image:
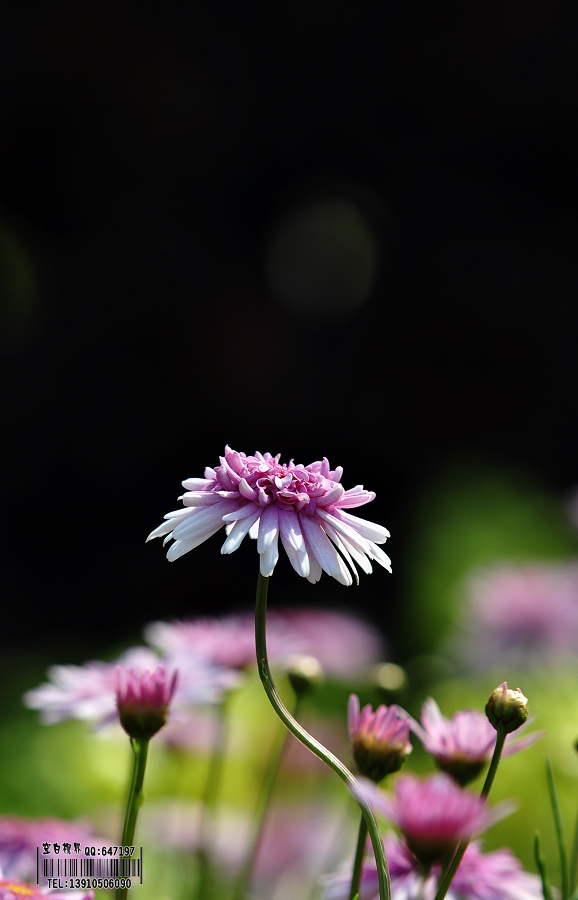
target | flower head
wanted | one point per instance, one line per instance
(228, 641)
(497, 875)
(462, 745)
(518, 614)
(143, 699)
(14, 889)
(89, 692)
(433, 814)
(380, 739)
(20, 839)
(305, 506)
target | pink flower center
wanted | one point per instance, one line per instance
(268, 481)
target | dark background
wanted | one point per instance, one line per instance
(414, 167)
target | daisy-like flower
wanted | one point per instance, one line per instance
(497, 875)
(227, 641)
(20, 839)
(519, 614)
(11, 889)
(463, 745)
(433, 814)
(89, 692)
(305, 506)
(143, 699)
(380, 739)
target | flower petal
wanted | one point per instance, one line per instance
(238, 532)
(324, 551)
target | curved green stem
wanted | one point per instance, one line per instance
(302, 735)
(447, 879)
(135, 798)
(358, 863)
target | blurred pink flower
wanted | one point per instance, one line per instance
(228, 641)
(305, 506)
(343, 643)
(433, 814)
(520, 613)
(497, 875)
(380, 738)
(89, 692)
(20, 840)
(11, 889)
(463, 745)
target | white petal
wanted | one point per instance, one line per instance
(241, 513)
(325, 552)
(368, 530)
(298, 558)
(200, 498)
(196, 484)
(238, 532)
(379, 556)
(340, 544)
(268, 528)
(179, 548)
(353, 537)
(315, 570)
(290, 528)
(162, 529)
(202, 518)
(268, 559)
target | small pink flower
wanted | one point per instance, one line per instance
(462, 745)
(305, 506)
(433, 814)
(12, 889)
(227, 641)
(497, 875)
(143, 699)
(20, 839)
(380, 739)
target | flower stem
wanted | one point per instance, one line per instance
(447, 879)
(358, 862)
(302, 735)
(135, 798)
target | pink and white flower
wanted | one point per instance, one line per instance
(20, 840)
(497, 875)
(433, 814)
(518, 614)
(305, 506)
(89, 692)
(463, 745)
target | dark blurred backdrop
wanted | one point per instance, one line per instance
(315, 229)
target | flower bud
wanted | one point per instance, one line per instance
(304, 673)
(507, 709)
(143, 700)
(380, 739)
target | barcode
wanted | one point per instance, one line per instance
(92, 868)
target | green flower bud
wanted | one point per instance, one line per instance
(507, 709)
(304, 673)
